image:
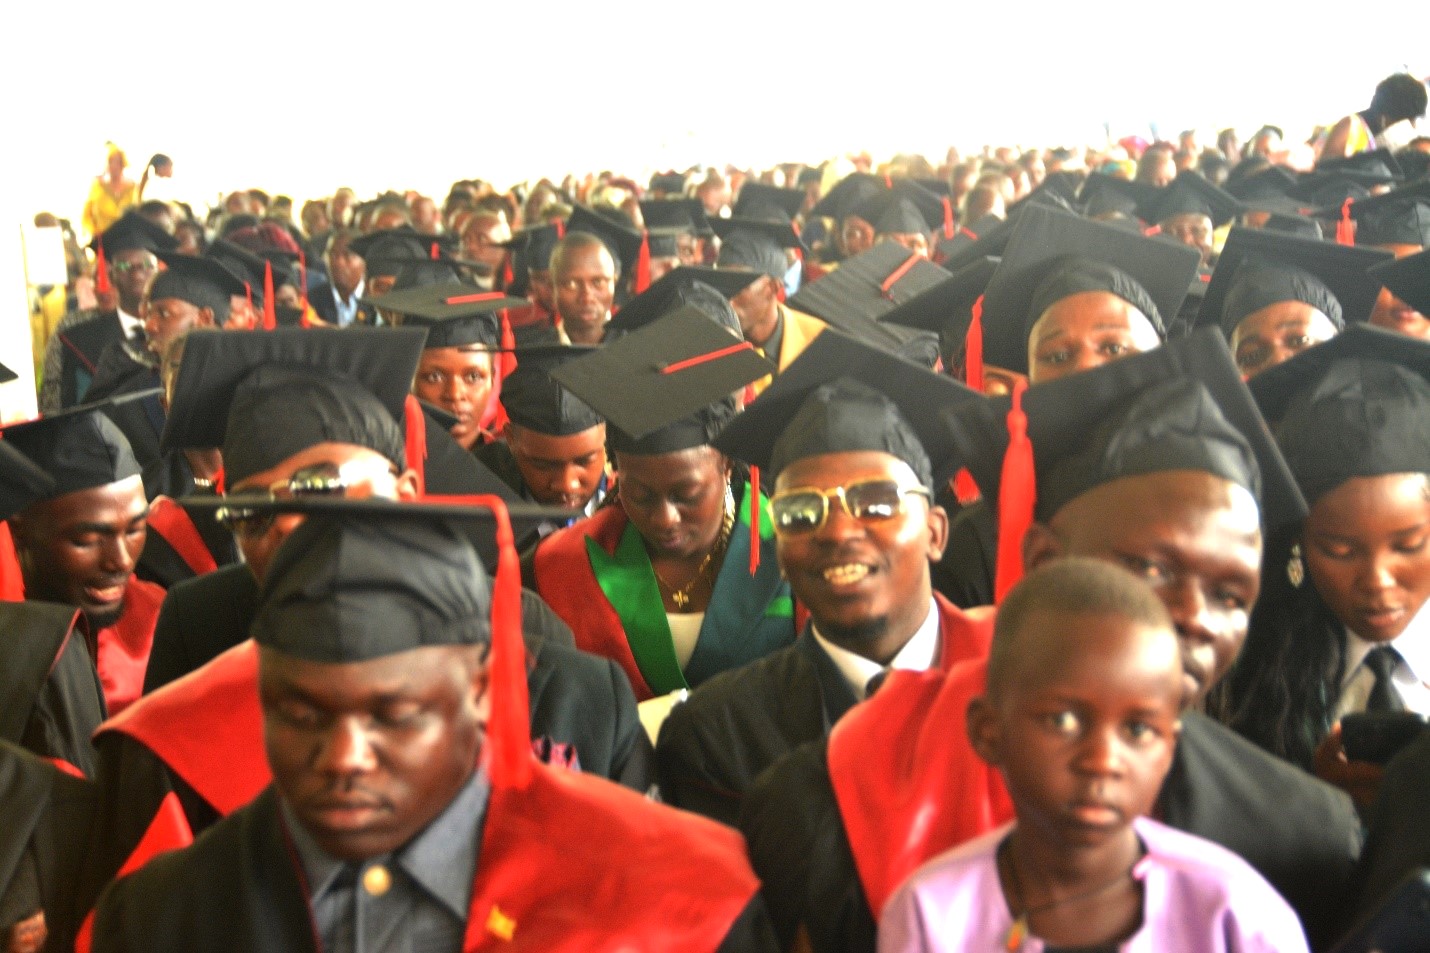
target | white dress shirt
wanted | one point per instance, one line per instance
(1409, 675)
(918, 654)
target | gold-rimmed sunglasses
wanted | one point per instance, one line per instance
(803, 509)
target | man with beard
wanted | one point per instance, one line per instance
(78, 543)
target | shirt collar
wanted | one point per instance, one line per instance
(127, 321)
(1412, 645)
(442, 859)
(919, 653)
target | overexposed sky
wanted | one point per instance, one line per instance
(300, 97)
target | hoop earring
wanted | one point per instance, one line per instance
(1295, 568)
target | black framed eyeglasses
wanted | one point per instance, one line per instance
(320, 479)
(804, 509)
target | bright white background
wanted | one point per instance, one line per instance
(299, 97)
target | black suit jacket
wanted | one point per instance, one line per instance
(1399, 837)
(1299, 833)
(742, 721)
(81, 347)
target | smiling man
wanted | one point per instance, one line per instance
(855, 529)
(78, 544)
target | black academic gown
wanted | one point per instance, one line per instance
(1299, 833)
(50, 696)
(237, 889)
(45, 819)
(497, 457)
(737, 724)
(141, 421)
(81, 347)
(1398, 840)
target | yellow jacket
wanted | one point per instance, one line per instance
(799, 330)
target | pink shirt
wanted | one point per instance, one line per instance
(1198, 897)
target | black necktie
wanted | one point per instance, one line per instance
(875, 680)
(1381, 661)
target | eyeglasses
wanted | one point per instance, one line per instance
(804, 509)
(125, 267)
(320, 479)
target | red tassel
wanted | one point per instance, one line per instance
(507, 275)
(416, 444)
(248, 293)
(1152, 231)
(965, 487)
(12, 581)
(493, 419)
(973, 349)
(1017, 492)
(888, 180)
(1346, 226)
(303, 285)
(757, 510)
(699, 359)
(560, 229)
(508, 745)
(101, 272)
(436, 252)
(643, 263)
(947, 216)
(270, 316)
(218, 482)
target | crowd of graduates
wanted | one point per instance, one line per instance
(1027, 552)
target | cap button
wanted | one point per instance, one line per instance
(376, 880)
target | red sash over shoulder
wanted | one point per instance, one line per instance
(173, 523)
(641, 877)
(907, 781)
(564, 578)
(207, 727)
(123, 648)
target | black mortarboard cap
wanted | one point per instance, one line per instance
(1299, 225)
(7, 375)
(1053, 254)
(985, 238)
(863, 289)
(946, 308)
(664, 242)
(1375, 167)
(133, 231)
(709, 290)
(843, 395)
(847, 194)
(361, 586)
(1401, 217)
(1268, 190)
(534, 400)
(1357, 405)
(904, 209)
(21, 482)
(685, 215)
(454, 314)
(1190, 193)
(243, 264)
(1259, 268)
(535, 245)
(425, 273)
(754, 246)
(1182, 406)
(666, 386)
(264, 397)
(668, 182)
(1408, 279)
(79, 447)
(386, 251)
(757, 200)
(197, 281)
(1327, 191)
(622, 241)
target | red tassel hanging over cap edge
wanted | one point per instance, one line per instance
(1017, 492)
(973, 349)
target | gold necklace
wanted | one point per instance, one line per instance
(681, 597)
